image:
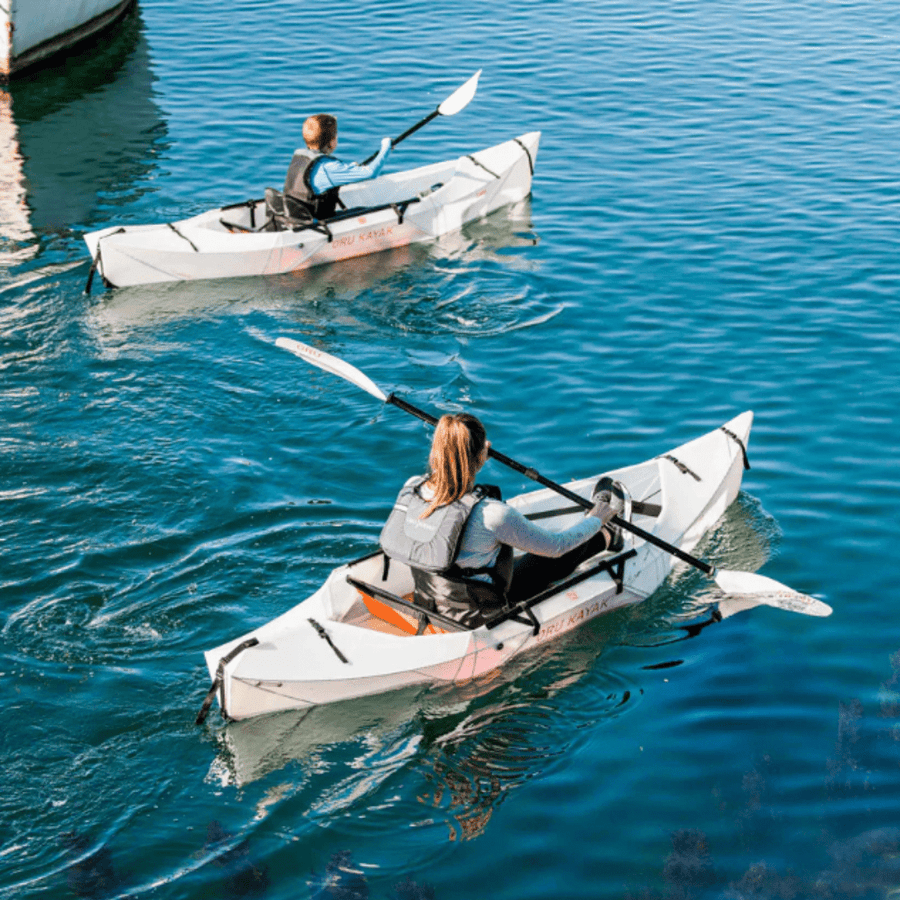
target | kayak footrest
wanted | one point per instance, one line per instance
(425, 616)
(615, 567)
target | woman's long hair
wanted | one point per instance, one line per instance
(459, 441)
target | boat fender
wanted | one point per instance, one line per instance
(740, 444)
(219, 680)
(681, 467)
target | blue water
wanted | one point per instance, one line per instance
(713, 228)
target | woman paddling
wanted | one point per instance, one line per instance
(458, 537)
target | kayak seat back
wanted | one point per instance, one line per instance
(405, 621)
(467, 600)
(285, 212)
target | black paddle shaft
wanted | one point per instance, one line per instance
(583, 502)
(420, 124)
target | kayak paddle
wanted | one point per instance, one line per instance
(765, 590)
(456, 102)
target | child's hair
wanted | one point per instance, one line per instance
(319, 131)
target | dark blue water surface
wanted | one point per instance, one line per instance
(714, 226)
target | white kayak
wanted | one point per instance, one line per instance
(360, 634)
(389, 211)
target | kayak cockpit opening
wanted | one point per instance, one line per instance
(383, 598)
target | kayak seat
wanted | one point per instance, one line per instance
(288, 215)
(466, 600)
(284, 212)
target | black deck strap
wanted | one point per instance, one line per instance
(400, 210)
(527, 153)
(615, 567)
(617, 573)
(326, 637)
(483, 166)
(96, 260)
(740, 444)
(402, 605)
(526, 617)
(183, 237)
(219, 680)
(356, 211)
(638, 508)
(642, 508)
(250, 203)
(681, 466)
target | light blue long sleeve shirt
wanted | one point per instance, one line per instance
(331, 172)
(493, 523)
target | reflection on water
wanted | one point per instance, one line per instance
(343, 879)
(16, 236)
(95, 110)
(443, 759)
(242, 875)
(855, 863)
(401, 287)
(744, 539)
(91, 873)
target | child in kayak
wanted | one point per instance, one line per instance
(315, 176)
(458, 537)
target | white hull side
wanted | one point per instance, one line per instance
(33, 30)
(293, 668)
(200, 248)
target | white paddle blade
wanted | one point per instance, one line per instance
(460, 98)
(762, 590)
(331, 364)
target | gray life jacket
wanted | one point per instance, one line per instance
(431, 545)
(300, 199)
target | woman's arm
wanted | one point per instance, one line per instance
(510, 527)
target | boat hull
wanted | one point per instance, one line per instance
(394, 210)
(32, 31)
(292, 666)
